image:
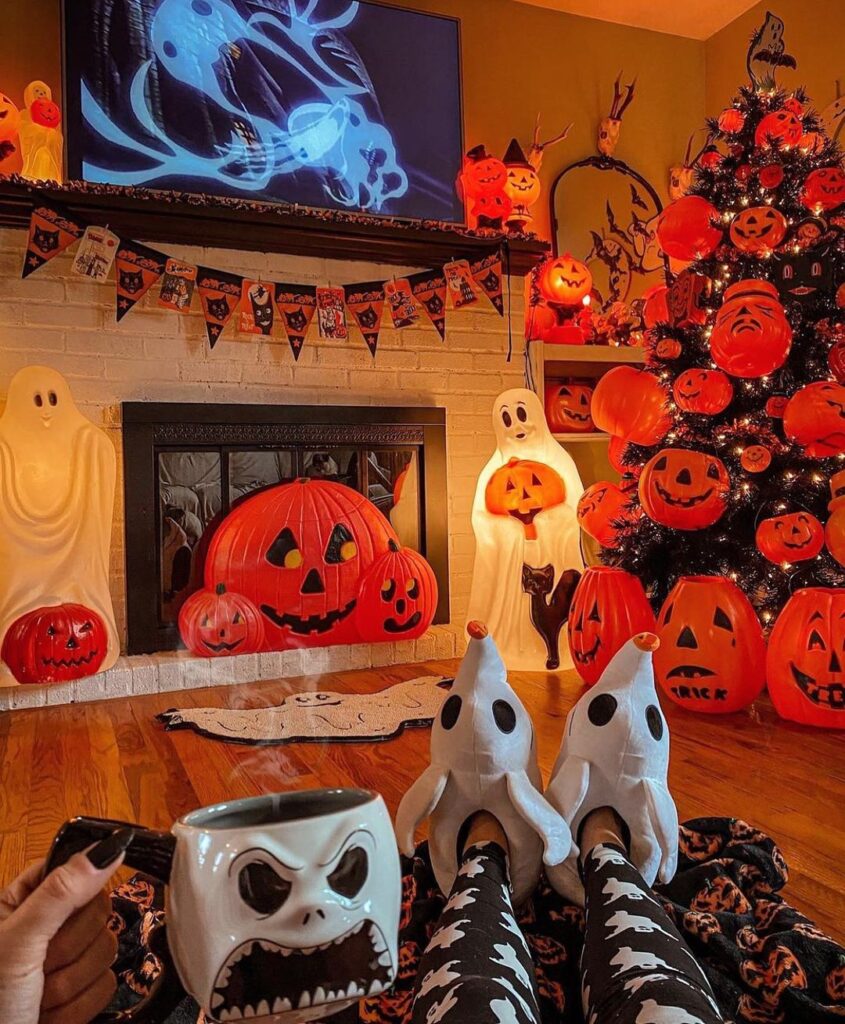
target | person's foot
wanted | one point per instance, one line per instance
(484, 828)
(602, 826)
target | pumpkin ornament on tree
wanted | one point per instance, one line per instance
(751, 336)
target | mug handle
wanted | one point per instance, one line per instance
(150, 852)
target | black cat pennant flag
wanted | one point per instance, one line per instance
(366, 304)
(136, 270)
(220, 294)
(296, 304)
(51, 231)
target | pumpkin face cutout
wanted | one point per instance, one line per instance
(10, 119)
(824, 189)
(712, 656)
(687, 490)
(751, 336)
(780, 127)
(707, 392)
(815, 419)
(565, 280)
(755, 458)
(568, 408)
(522, 489)
(398, 596)
(688, 228)
(794, 537)
(216, 624)
(758, 229)
(631, 404)
(599, 507)
(298, 552)
(805, 662)
(55, 645)
(609, 606)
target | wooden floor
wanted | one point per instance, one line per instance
(113, 759)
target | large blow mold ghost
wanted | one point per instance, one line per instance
(483, 757)
(506, 543)
(615, 753)
(57, 481)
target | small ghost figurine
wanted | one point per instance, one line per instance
(615, 753)
(41, 140)
(483, 757)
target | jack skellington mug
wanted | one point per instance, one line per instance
(280, 908)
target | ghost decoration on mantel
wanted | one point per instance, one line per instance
(483, 758)
(542, 537)
(615, 753)
(57, 481)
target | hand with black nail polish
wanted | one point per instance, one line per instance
(56, 949)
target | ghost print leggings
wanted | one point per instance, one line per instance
(635, 967)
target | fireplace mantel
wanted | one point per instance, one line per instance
(189, 219)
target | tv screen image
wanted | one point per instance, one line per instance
(327, 103)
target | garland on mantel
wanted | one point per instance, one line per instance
(261, 304)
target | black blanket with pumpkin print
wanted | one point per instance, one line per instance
(766, 962)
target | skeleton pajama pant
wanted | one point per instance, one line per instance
(635, 967)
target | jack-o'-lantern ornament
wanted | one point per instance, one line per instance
(398, 596)
(568, 408)
(731, 121)
(755, 458)
(707, 392)
(55, 645)
(780, 127)
(836, 361)
(712, 656)
(565, 280)
(771, 175)
(668, 349)
(688, 228)
(655, 305)
(632, 404)
(793, 537)
(216, 624)
(824, 189)
(522, 185)
(608, 607)
(600, 507)
(834, 528)
(815, 419)
(686, 299)
(806, 660)
(298, 552)
(10, 119)
(758, 229)
(776, 406)
(751, 336)
(684, 489)
(522, 489)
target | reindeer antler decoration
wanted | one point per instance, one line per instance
(609, 126)
(535, 153)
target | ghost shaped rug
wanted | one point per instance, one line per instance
(321, 716)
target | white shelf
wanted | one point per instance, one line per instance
(569, 438)
(592, 354)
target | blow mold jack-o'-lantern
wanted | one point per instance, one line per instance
(522, 489)
(299, 552)
(215, 624)
(609, 606)
(731, 121)
(656, 305)
(758, 229)
(55, 645)
(565, 280)
(794, 537)
(712, 656)
(689, 229)
(815, 419)
(684, 489)
(522, 185)
(398, 596)
(599, 508)
(707, 392)
(568, 408)
(824, 189)
(751, 336)
(780, 127)
(10, 119)
(632, 404)
(806, 661)
(755, 458)
(481, 181)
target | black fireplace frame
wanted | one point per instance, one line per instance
(152, 427)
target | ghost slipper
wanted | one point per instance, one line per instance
(615, 753)
(483, 758)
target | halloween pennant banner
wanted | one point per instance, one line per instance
(137, 268)
(51, 231)
(487, 274)
(220, 294)
(429, 289)
(366, 304)
(257, 314)
(297, 304)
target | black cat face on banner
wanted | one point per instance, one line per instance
(368, 318)
(45, 241)
(218, 308)
(296, 321)
(490, 283)
(130, 281)
(434, 305)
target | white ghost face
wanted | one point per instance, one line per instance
(40, 397)
(518, 420)
(37, 90)
(285, 907)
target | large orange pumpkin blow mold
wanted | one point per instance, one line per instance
(398, 596)
(298, 552)
(599, 507)
(522, 489)
(758, 229)
(685, 489)
(568, 408)
(806, 658)
(707, 392)
(815, 418)
(656, 305)
(712, 656)
(609, 606)
(688, 228)
(632, 404)
(793, 537)
(824, 189)
(215, 624)
(781, 127)
(834, 528)
(751, 336)
(55, 644)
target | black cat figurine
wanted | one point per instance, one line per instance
(548, 616)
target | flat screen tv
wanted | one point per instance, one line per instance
(327, 103)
